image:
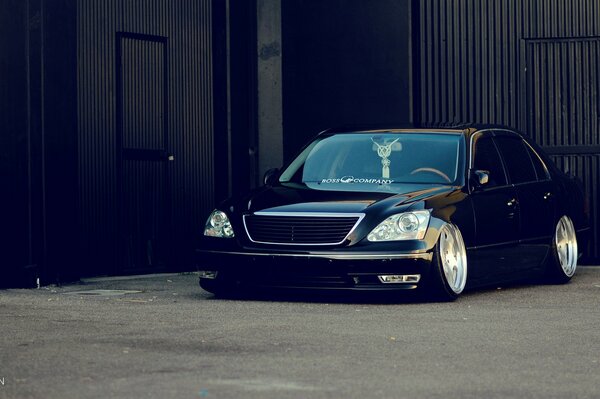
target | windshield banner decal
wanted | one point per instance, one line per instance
(352, 179)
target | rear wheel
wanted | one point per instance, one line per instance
(449, 268)
(562, 261)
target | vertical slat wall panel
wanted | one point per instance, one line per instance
(187, 26)
(98, 20)
(563, 86)
(587, 167)
(490, 34)
(563, 107)
(529, 64)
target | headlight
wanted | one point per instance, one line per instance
(218, 225)
(403, 226)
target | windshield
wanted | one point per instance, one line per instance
(377, 161)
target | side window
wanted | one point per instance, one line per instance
(516, 158)
(538, 165)
(487, 158)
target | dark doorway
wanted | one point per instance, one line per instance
(143, 155)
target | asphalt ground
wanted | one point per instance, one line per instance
(173, 340)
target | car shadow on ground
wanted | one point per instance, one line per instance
(364, 297)
(320, 296)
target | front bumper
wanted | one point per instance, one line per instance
(354, 270)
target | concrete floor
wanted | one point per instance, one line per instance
(170, 339)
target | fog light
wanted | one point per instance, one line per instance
(400, 278)
(209, 274)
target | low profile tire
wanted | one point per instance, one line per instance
(448, 275)
(562, 261)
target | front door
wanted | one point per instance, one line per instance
(497, 213)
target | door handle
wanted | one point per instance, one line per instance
(167, 156)
(512, 202)
(548, 195)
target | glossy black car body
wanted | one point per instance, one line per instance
(507, 202)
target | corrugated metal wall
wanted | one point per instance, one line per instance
(562, 83)
(16, 233)
(186, 27)
(38, 140)
(529, 64)
(561, 88)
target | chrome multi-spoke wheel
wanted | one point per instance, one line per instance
(564, 259)
(453, 256)
(449, 270)
(565, 240)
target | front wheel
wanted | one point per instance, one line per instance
(448, 275)
(562, 261)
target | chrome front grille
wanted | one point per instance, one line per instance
(300, 228)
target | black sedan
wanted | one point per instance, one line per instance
(437, 210)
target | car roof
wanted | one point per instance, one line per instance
(465, 129)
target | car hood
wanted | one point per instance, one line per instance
(298, 198)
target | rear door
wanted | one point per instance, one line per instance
(535, 194)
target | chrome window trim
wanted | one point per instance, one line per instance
(492, 130)
(522, 139)
(472, 146)
(472, 155)
(304, 214)
(548, 177)
(511, 133)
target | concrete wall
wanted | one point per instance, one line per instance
(269, 77)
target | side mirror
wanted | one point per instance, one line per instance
(481, 177)
(270, 177)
